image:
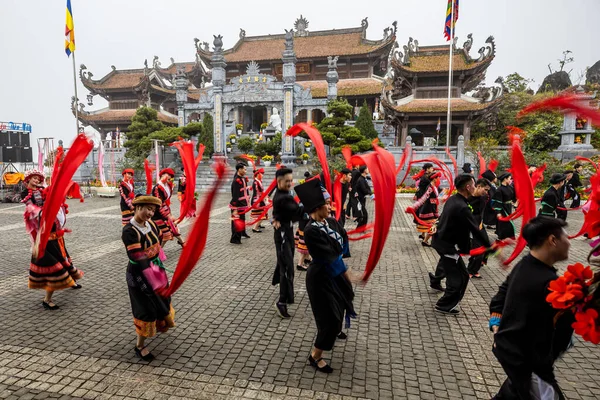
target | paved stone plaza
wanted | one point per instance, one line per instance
(230, 344)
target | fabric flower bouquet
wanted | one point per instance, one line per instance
(577, 291)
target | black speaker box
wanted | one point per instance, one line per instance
(25, 155)
(3, 138)
(8, 154)
(24, 136)
(13, 138)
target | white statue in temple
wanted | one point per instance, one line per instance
(275, 120)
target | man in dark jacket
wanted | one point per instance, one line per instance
(528, 335)
(362, 191)
(285, 212)
(575, 183)
(489, 214)
(477, 202)
(451, 239)
(352, 201)
(553, 198)
(240, 198)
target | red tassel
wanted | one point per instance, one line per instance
(493, 165)
(565, 103)
(57, 191)
(315, 136)
(196, 239)
(382, 167)
(148, 170)
(481, 163)
(524, 193)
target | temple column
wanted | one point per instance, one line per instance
(218, 79)
(467, 130)
(404, 133)
(332, 78)
(289, 80)
(181, 93)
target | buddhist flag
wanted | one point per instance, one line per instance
(69, 31)
(450, 25)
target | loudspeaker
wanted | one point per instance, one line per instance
(8, 154)
(13, 138)
(24, 140)
(25, 155)
(3, 138)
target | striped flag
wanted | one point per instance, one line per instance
(69, 31)
(450, 25)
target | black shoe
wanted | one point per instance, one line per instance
(435, 285)
(421, 236)
(235, 241)
(315, 363)
(255, 231)
(245, 235)
(425, 244)
(301, 268)
(77, 286)
(47, 306)
(282, 310)
(307, 261)
(342, 336)
(148, 357)
(454, 311)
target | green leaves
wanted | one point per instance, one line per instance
(336, 133)
(364, 123)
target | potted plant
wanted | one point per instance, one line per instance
(239, 128)
(232, 138)
(307, 145)
(304, 158)
(263, 126)
(267, 160)
(228, 146)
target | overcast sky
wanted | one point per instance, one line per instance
(37, 81)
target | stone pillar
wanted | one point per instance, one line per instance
(289, 80)
(218, 79)
(181, 93)
(460, 151)
(332, 78)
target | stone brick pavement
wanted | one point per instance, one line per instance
(229, 343)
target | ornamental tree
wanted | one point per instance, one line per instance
(364, 123)
(206, 137)
(143, 123)
(336, 133)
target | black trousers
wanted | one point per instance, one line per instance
(363, 214)
(236, 237)
(561, 214)
(342, 219)
(353, 206)
(284, 271)
(475, 263)
(457, 279)
(519, 387)
(576, 200)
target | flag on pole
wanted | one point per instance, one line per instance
(449, 26)
(69, 31)
(439, 126)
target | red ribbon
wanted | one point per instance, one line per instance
(57, 191)
(148, 171)
(566, 103)
(482, 168)
(196, 239)
(186, 152)
(405, 154)
(453, 161)
(337, 195)
(314, 135)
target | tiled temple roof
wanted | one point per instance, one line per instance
(441, 106)
(345, 87)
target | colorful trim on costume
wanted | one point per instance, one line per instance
(425, 228)
(149, 328)
(300, 245)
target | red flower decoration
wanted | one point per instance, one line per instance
(564, 294)
(577, 273)
(585, 325)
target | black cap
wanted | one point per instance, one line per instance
(503, 176)
(467, 168)
(489, 175)
(346, 171)
(557, 178)
(310, 194)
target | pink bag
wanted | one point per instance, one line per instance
(156, 276)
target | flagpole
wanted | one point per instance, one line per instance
(76, 98)
(448, 116)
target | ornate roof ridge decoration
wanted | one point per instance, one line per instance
(301, 26)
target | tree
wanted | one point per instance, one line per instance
(336, 133)
(364, 123)
(516, 83)
(193, 129)
(206, 137)
(245, 144)
(138, 143)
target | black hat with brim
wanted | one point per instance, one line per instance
(489, 175)
(557, 178)
(310, 194)
(504, 176)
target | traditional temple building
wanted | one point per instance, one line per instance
(126, 90)
(415, 98)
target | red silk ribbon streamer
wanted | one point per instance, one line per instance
(250, 160)
(453, 161)
(382, 167)
(581, 158)
(410, 162)
(591, 218)
(361, 229)
(493, 165)
(263, 196)
(524, 193)
(315, 136)
(481, 163)
(565, 103)
(58, 158)
(148, 171)
(186, 152)
(496, 246)
(445, 170)
(347, 153)
(337, 195)
(74, 191)
(196, 239)
(57, 191)
(410, 210)
(405, 154)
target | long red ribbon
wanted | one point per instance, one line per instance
(566, 103)
(186, 152)
(314, 135)
(57, 191)
(148, 171)
(337, 195)
(482, 167)
(196, 239)
(453, 161)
